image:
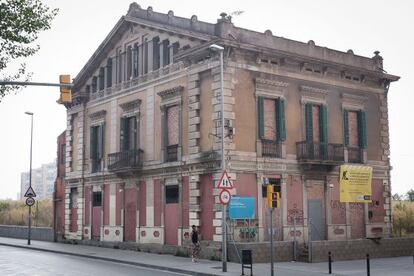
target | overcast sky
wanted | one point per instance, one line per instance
(80, 26)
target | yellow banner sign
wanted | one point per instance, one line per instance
(355, 183)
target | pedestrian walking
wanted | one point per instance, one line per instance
(196, 244)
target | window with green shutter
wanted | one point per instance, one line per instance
(280, 120)
(346, 128)
(323, 124)
(362, 130)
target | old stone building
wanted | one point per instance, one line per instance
(143, 133)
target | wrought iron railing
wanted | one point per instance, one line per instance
(172, 153)
(307, 151)
(126, 159)
(271, 148)
(354, 155)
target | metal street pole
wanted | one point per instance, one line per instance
(271, 243)
(220, 49)
(30, 176)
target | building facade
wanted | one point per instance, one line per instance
(59, 189)
(42, 181)
(143, 134)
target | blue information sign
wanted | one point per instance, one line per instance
(241, 207)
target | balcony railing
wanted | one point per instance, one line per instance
(172, 153)
(319, 152)
(354, 155)
(130, 159)
(271, 148)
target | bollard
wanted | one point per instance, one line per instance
(368, 268)
(330, 262)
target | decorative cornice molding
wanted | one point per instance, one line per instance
(313, 94)
(270, 88)
(130, 106)
(310, 89)
(171, 93)
(350, 101)
(99, 115)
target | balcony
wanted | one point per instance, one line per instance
(172, 153)
(319, 153)
(355, 155)
(125, 160)
(271, 148)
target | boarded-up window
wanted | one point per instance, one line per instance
(353, 128)
(172, 125)
(171, 194)
(269, 119)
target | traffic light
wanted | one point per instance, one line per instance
(273, 198)
(65, 91)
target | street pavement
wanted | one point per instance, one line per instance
(20, 261)
(379, 267)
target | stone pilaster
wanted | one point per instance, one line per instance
(385, 148)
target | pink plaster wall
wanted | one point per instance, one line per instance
(106, 205)
(118, 204)
(142, 204)
(294, 199)
(87, 209)
(338, 209)
(378, 201)
(246, 185)
(130, 214)
(357, 220)
(186, 202)
(157, 202)
(206, 204)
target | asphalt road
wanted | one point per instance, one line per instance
(18, 261)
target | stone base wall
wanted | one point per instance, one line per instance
(283, 251)
(357, 249)
(21, 232)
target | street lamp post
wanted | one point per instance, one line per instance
(30, 175)
(220, 49)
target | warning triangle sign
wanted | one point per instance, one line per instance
(225, 182)
(30, 192)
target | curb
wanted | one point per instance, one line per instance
(158, 267)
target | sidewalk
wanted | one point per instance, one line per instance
(388, 266)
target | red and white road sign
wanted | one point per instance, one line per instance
(225, 182)
(224, 196)
(30, 192)
(30, 201)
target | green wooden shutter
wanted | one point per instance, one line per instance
(260, 117)
(92, 141)
(101, 135)
(280, 120)
(346, 128)
(362, 130)
(323, 124)
(309, 122)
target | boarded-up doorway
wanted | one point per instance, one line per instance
(171, 214)
(96, 215)
(130, 214)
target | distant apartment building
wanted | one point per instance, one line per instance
(43, 180)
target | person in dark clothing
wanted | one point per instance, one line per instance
(196, 244)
